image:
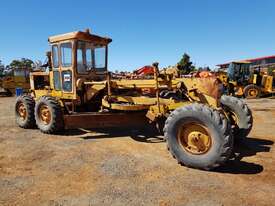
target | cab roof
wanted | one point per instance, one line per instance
(80, 35)
(241, 62)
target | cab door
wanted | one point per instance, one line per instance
(66, 69)
(55, 74)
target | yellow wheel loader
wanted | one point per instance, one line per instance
(18, 78)
(78, 92)
(244, 81)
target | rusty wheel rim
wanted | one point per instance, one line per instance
(22, 111)
(252, 92)
(194, 138)
(45, 114)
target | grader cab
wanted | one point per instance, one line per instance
(79, 92)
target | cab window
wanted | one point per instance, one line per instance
(100, 57)
(67, 81)
(56, 80)
(81, 65)
(20, 73)
(66, 54)
(55, 56)
(90, 57)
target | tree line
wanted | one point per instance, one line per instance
(185, 65)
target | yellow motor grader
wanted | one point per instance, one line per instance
(78, 92)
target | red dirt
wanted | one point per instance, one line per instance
(124, 168)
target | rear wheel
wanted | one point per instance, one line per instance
(198, 136)
(239, 114)
(252, 91)
(24, 111)
(49, 115)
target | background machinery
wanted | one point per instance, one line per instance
(241, 79)
(19, 78)
(78, 92)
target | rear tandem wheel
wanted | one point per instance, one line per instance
(24, 111)
(49, 115)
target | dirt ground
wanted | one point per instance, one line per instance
(125, 168)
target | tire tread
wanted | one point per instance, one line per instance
(222, 124)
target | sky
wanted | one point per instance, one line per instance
(144, 31)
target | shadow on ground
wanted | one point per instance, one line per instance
(141, 135)
(236, 165)
(246, 148)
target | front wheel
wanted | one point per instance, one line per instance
(198, 136)
(49, 115)
(252, 91)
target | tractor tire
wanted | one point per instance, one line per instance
(239, 114)
(24, 111)
(252, 91)
(198, 136)
(49, 115)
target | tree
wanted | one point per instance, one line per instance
(22, 63)
(185, 65)
(2, 67)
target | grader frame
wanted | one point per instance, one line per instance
(79, 92)
(95, 81)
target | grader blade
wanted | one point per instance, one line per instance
(103, 120)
